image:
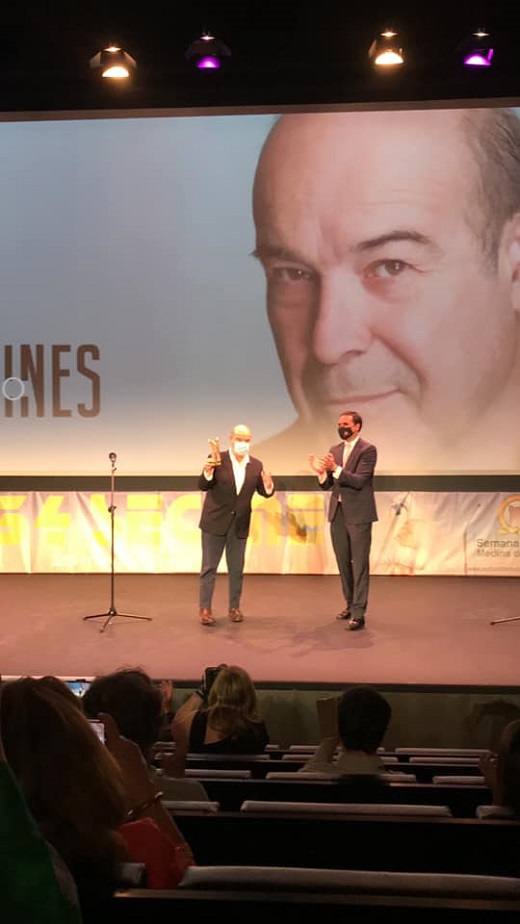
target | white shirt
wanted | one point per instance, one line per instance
(347, 449)
(239, 469)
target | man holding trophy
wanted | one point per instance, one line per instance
(229, 480)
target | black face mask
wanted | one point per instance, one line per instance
(345, 432)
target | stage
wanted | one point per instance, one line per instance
(421, 631)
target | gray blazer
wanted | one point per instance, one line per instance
(355, 484)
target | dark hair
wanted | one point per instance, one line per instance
(363, 718)
(493, 136)
(356, 418)
(130, 696)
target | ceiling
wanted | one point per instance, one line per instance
(283, 53)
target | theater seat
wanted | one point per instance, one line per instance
(353, 881)
(223, 773)
(345, 808)
(458, 780)
(190, 805)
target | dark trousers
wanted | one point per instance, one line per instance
(212, 551)
(351, 543)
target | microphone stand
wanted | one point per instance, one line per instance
(112, 612)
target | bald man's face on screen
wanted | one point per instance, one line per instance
(379, 294)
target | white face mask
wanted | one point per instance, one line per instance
(240, 447)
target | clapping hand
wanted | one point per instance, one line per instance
(267, 480)
(317, 463)
(166, 689)
(329, 462)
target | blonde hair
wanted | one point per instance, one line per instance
(232, 702)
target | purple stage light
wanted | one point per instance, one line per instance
(208, 62)
(479, 58)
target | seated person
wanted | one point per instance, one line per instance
(356, 722)
(35, 883)
(501, 771)
(134, 701)
(222, 717)
(94, 803)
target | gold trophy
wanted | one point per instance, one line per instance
(214, 451)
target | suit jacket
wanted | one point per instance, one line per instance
(355, 485)
(222, 504)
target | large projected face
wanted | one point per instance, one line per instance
(136, 321)
(387, 289)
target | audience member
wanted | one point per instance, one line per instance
(35, 883)
(355, 723)
(94, 803)
(501, 771)
(135, 703)
(222, 717)
(130, 696)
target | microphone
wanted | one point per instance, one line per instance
(112, 456)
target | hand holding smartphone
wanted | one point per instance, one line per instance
(99, 729)
(327, 709)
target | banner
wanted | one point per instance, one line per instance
(157, 533)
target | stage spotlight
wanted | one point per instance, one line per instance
(477, 49)
(386, 50)
(207, 52)
(114, 63)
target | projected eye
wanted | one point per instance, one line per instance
(289, 274)
(387, 269)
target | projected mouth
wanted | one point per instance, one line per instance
(358, 398)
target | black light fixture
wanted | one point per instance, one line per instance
(207, 52)
(386, 51)
(477, 49)
(114, 63)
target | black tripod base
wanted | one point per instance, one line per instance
(112, 613)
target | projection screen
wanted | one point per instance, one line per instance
(135, 312)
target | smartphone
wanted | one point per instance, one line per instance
(99, 729)
(210, 675)
(79, 687)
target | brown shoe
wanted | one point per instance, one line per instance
(236, 615)
(206, 617)
(355, 623)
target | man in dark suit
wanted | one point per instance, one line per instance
(348, 470)
(229, 482)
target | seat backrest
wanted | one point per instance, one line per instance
(297, 775)
(440, 752)
(395, 776)
(190, 805)
(458, 780)
(434, 761)
(205, 773)
(359, 881)
(494, 811)
(345, 808)
(176, 788)
(130, 874)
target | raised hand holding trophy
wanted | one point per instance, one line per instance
(214, 453)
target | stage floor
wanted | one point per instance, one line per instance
(420, 630)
